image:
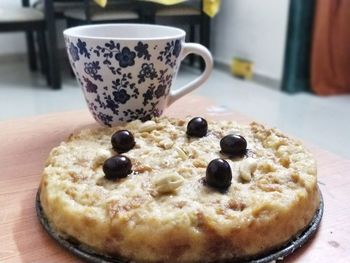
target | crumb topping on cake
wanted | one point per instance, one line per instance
(163, 211)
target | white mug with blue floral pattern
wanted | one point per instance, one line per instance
(126, 70)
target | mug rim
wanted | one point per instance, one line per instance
(74, 31)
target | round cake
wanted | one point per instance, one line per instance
(167, 209)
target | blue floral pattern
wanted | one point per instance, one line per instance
(121, 96)
(89, 86)
(160, 91)
(92, 68)
(142, 51)
(82, 48)
(165, 80)
(124, 83)
(177, 48)
(73, 51)
(105, 118)
(147, 72)
(126, 57)
(170, 53)
(141, 113)
(148, 95)
(113, 73)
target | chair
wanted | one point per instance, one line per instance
(117, 11)
(60, 6)
(190, 14)
(54, 9)
(30, 21)
(72, 11)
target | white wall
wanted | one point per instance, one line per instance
(252, 29)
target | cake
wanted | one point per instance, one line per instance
(166, 208)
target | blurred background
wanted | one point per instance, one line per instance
(285, 63)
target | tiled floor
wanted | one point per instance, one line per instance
(323, 121)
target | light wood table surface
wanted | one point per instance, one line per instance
(26, 143)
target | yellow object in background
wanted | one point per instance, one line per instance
(242, 68)
(101, 3)
(210, 7)
(167, 2)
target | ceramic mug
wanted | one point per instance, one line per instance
(126, 70)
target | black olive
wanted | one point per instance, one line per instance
(219, 174)
(233, 145)
(122, 141)
(197, 127)
(117, 167)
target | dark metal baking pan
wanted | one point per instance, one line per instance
(278, 254)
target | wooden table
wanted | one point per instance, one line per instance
(25, 144)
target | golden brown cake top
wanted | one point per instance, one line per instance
(166, 188)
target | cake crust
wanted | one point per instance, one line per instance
(164, 211)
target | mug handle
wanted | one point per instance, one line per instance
(198, 49)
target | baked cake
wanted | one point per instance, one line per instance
(182, 195)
